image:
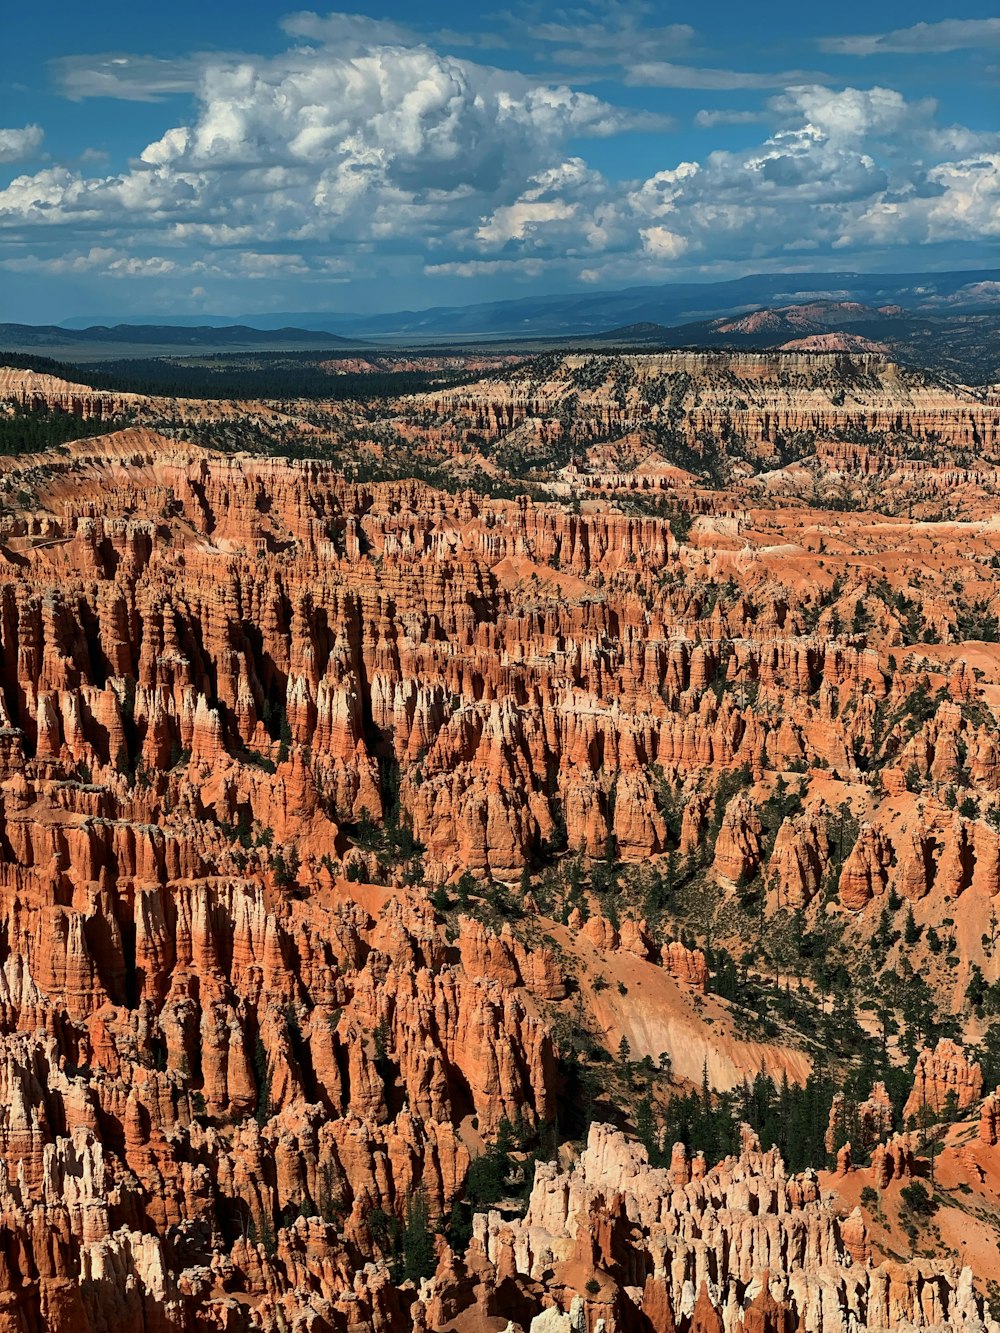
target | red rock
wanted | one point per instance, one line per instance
(687, 965)
(989, 1120)
(739, 846)
(943, 1077)
(216, 666)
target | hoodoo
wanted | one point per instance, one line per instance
(534, 869)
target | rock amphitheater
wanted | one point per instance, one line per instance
(347, 823)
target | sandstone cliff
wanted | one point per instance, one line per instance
(263, 725)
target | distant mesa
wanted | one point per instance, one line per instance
(836, 342)
(812, 314)
(166, 335)
(643, 332)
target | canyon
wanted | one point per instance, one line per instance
(522, 855)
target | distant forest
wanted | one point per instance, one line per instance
(32, 430)
(284, 376)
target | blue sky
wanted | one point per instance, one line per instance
(225, 157)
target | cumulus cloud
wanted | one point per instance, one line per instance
(961, 202)
(106, 260)
(270, 265)
(662, 243)
(364, 150)
(418, 119)
(568, 209)
(16, 145)
(830, 176)
(487, 268)
(381, 144)
(856, 113)
(920, 39)
(516, 222)
(111, 262)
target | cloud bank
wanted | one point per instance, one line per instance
(920, 39)
(362, 150)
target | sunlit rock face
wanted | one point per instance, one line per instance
(311, 791)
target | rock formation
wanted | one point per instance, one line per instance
(348, 826)
(742, 1246)
(944, 1079)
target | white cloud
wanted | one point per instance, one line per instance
(707, 120)
(568, 208)
(610, 35)
(124, 77)
(16, 145)
(106, 260)
(662, 243)
(414, 117)
(255, 265)
(515, 222)
(667, 74)
(856, 113)
(111, 262)
(348, 30)
(921, 38)
(487, 268)
(830, 177)
(961, 202)
(362, 151)
(135, 266)
(316, 145)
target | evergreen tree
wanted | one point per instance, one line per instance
(262, 1078)
(646, 1130)
(911, 931)
(419, 1258)
(284, 735)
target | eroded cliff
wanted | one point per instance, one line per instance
(359, 839)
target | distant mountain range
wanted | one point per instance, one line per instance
(212, 336)
(945, 322)
(671, 304)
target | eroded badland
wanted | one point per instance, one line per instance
(513, 856)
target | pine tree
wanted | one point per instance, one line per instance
(465, 888)
(262, 1078)
(284, 735)
(646, 1130)
(911, 931)
(706, 1089)
(784, 1115)
(419, 1259)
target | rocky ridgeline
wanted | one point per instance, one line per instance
(756, 397)
(33, 391)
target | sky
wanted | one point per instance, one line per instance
(231, 157)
